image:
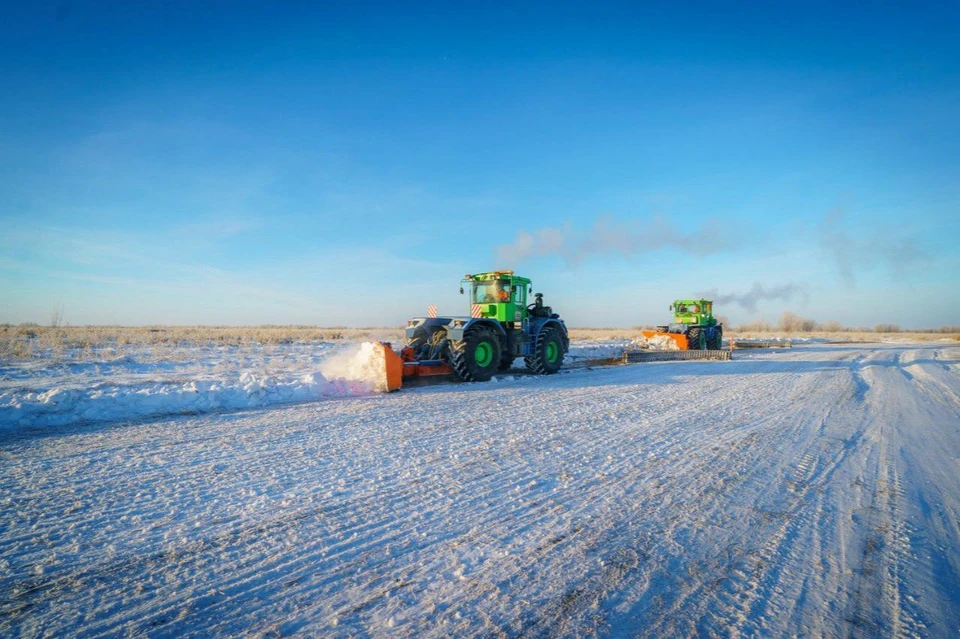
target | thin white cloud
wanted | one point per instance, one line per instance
(856, 248)
(609, 236)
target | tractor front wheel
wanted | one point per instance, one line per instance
(476, 357)
(695, 339)
(548, 355)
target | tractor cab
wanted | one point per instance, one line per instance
(696, 312)
(498, 295)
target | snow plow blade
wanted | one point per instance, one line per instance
(392, 368)
(678, 338)
(404, 367)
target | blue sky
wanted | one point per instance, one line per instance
(346, 164)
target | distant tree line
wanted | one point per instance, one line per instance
(792, 323)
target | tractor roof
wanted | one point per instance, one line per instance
(495, 275)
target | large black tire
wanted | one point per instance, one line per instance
(477, 356)
(695, 339)
(548, 353)
(717, 342)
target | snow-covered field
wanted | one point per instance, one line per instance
(812, 491)
(156, 381)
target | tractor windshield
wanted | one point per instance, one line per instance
(491, 292)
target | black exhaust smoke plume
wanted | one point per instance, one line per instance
(758, 293)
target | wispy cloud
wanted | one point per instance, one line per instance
(177, 284)
(220, 227)
(609, 236)
(854, 249)
(83, 247)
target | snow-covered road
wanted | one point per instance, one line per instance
(811, 491)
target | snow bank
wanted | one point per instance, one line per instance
(348, 372)
(656, 343)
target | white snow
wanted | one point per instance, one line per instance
(131, 388)
(657, 343)
(809, 491)
(201, 379)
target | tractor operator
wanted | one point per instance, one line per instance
(500, 293)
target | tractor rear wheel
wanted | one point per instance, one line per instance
(476, 357)
(695, 339)
(716, 343)
(548, 354)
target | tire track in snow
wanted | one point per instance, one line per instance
(511, 480)
(641, 493)
(747, 591)
(882, 602)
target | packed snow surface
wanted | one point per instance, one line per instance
(811, 492)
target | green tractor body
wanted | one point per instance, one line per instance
(501, 326)
(694, 318)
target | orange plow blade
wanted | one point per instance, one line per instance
(392, 368)
(397, 368)
(678, 338)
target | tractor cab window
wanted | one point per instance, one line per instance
(520, 295)
(491, 292)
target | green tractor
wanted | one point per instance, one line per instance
(501, 327)
(694, 319)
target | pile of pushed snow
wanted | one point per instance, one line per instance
(365, 365)
(656, 343)
(349, 372)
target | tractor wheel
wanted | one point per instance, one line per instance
(476, 357)
(548, 355)
(695, 339)
(717, 342)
